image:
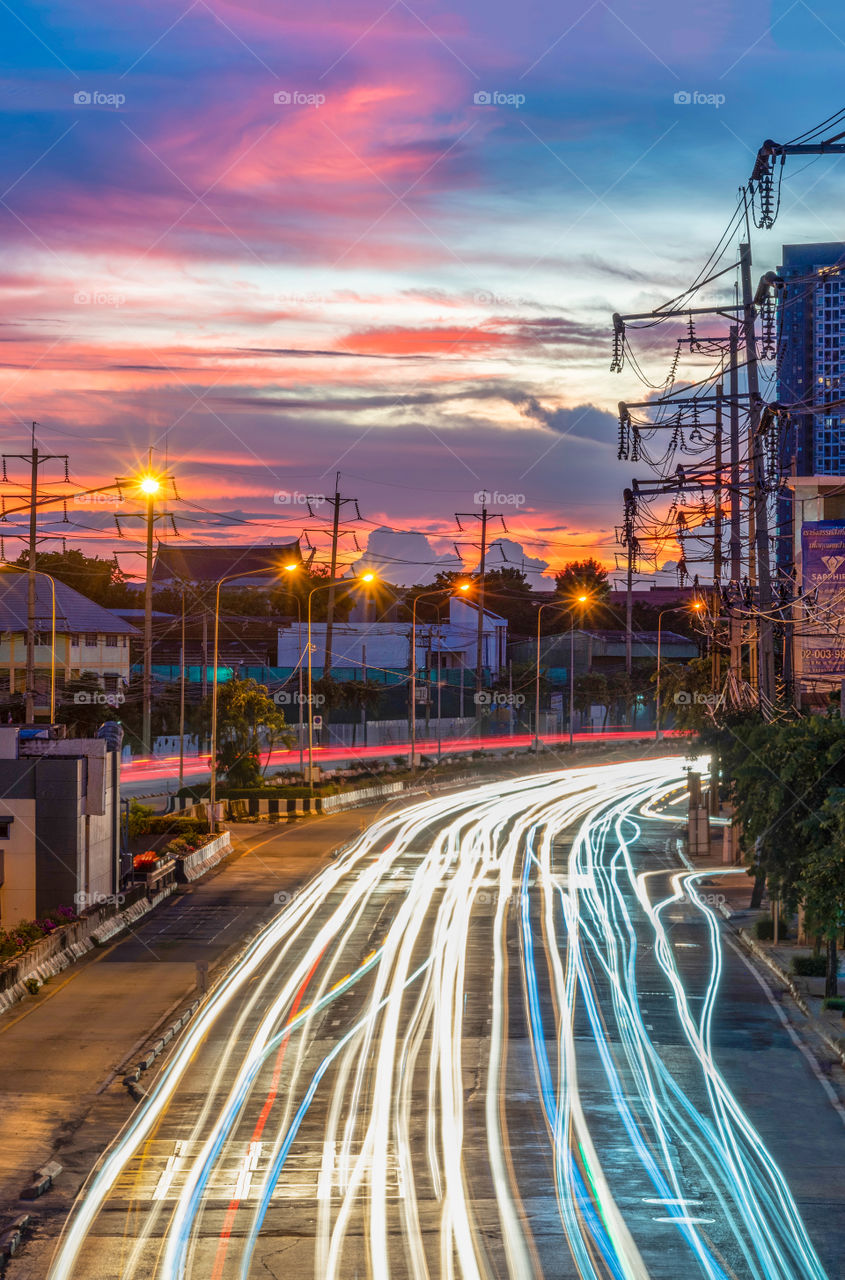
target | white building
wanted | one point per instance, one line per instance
(386, 645)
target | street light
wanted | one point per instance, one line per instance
(548, 605)
(292, 568)
(229, 577)
(367, 577)
(149, 486)
(582, 600)
(39, 573)
(412, 663)
(696, 606)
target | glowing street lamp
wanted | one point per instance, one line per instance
(583, 598)
(412, 663)
(696, 606)
(369, 577)
(149, 485)
(229, 577)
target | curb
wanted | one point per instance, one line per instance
(133, 1075)
(42, 1180)
(836, 1047)
(12, 1237)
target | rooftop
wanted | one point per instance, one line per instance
(209, 564)
(74, 611)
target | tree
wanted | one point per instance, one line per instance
(685, 695)
(507, 592)
(83, 706)
(583, 577)
(822, 881)
(591, 690)
(98, 578)
(781, 776)
(620, 689)
(248, 721)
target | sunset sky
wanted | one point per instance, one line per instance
(274, 241)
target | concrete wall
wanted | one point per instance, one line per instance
(17, 893)
(64, 840)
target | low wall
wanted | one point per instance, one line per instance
(191, 866)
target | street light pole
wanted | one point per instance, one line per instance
(365, 577)
(149, 487)
(696, 606)
(229, 577)
(412, 660)
(572, 684)
(582, 599)
(547, 605)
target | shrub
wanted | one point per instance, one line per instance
(24, 934)
(172, 824)
(835, 1002)
(764, 929)
(809, 966)
(32, 985)
(139, 819)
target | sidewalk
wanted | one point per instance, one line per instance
(732, 891)
(64, 1047)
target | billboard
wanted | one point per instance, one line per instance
(823, 571)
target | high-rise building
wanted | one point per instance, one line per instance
(811, 367)
(811, 373)
(811, 527)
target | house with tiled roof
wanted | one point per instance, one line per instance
(89, 638)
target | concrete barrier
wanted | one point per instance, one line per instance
(191, 866)
(42, 1181)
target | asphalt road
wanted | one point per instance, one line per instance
(500, 1036)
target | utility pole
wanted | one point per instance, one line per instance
(715, 659)
(485, 518)
(735, 543)
(479, 639)
(35, 459)
(337, 503)
(146, 731)
(29, 700)
(182, 698)
(629, 539)
(327, 659)
(765, 633)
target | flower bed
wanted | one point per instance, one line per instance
(13, 942)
